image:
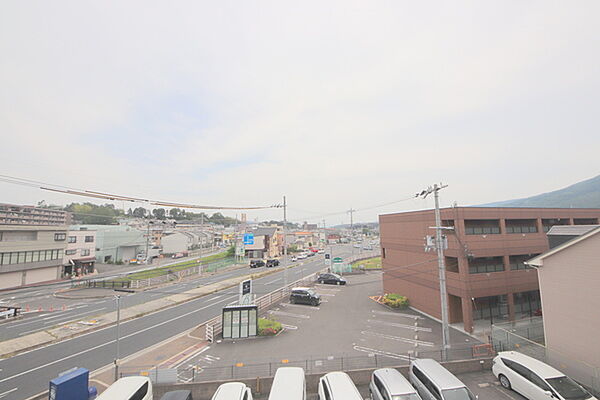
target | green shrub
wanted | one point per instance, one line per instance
(395, 300)
(268, 327)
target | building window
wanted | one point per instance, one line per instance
(549, 223)
(89, 239)
(85, 252)
(482, 226)
(521, 226)
(490, 308)
(60, 236)
(70, 252)
(72, 239)
(14, 258)
(383, 252)
(36, 256)
(518, 262)
(585, 221)
(29, 256)
(448, 222)
(484, 265)
(451, 264)
(527, 302)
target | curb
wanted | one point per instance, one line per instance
(95, 328)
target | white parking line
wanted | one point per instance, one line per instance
(381, 353)
(289, 314)
(273, 281)
(397, 314)
(322, 287)
(299, 306)
(292, 327)
(413, 327)
(327, 294)
(397, 338)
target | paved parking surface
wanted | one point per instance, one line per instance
(346, 324)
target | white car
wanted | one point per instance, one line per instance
(301, 256)
(534, 379)
(294, 259)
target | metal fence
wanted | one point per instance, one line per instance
(527, 337)
(311, 365)
(196, 269)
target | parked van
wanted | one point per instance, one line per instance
(288, 384)
(389, 384)
(129, 388)
(337, 386)
(534, 379)
(232, 391)
(434, 382)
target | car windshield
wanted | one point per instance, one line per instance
(410, 396)
(458, 394)
(336, 276)
(311, 292)
(568, 388)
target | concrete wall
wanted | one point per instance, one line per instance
(204, 390)
(175, 242)
(569, 284)
(112, 239)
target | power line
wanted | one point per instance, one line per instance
(115, 197)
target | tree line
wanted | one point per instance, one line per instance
(107, 214)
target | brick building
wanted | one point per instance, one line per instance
(487, 278)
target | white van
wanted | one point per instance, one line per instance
(389, 384)
(129, 388)
(233, 391)
(288, 384)
(434, 382)
(337, 386)
(534, 379)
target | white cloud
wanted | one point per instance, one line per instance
(337, 105)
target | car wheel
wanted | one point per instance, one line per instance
(292, 301)
(321, 282)
(504, 382)
(338, 283)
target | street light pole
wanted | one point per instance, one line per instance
(117, 355)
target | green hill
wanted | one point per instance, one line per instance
(584, 194)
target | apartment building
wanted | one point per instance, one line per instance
(80, 253)
(487, 278)
(569, 276)
(32, 244)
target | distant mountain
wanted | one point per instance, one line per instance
(585, 194)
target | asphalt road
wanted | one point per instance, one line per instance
(77, 309)
(28, 374)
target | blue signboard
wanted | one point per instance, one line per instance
(248, 238)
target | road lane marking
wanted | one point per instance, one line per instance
(10, 391)
(273, 281)
(381, 353)
(414, 328)
(110, 342)
(398, 338)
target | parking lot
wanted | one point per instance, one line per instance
(347, 327)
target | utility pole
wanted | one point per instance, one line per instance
(285, 279)
(147, 240)
(441, 265)
(201, 234)
(351, 212)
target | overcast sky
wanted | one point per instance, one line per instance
(334, 104)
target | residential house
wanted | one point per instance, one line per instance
(80, 253)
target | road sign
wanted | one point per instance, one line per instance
(246, 287)
(248, 238)
(337, 260)
(327, 256)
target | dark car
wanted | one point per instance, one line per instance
(257, 263)
(272, 263)
(301, 295)
(330, 278)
